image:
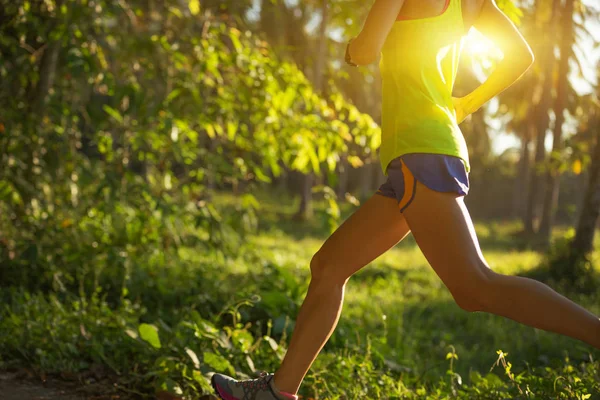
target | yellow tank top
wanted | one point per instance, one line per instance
(419, 61)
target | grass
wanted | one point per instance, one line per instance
(400, 335)
(400, 301)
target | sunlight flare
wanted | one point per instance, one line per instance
(477, 45)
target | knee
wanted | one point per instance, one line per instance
(467, 302)
(475, 293)
(324, 271)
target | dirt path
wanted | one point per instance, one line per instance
(22, 385)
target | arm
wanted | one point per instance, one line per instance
(365, 48)
(518, 57)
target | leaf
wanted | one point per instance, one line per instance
(288, 98)
(113, 113)
(355, 161)
(375, 141)
(458, 378)
(242, 339)
(194, 357)
(170, 388)
(333, 209)
(475, 377)
(149, 333)
(493, 380)
(313, 159)
(331, 162)
(271, 342)
(210, 131)
(204, 329)
(176, 11)
(352, 200)
(234, 35)
(167, 181)
(194, 7)
(131, 333)
(249, 201)
(250, 364)
(261, 176)
(172, 95)
(217, 362)
(232, 128)
(301, 162)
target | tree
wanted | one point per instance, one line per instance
(560, 104)
(546, 16)
(583, 243)
(188, 94)
(305, 211)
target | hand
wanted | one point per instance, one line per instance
(459, 108)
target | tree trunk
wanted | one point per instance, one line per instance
(583, 243)
(343, 173)
(522, 180)
(542, 119)
(365, 180)
(47, 73)
(305, 210)
(272, 23)
(553, 174)
(38, 97)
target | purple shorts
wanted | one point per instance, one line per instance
(438, 172)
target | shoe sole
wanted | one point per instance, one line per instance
(214, 385)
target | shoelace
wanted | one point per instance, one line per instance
(260, 383)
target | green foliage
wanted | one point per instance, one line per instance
(209, 318)
(111, 149)
(566, 268)
(121, 122)
(149, 333)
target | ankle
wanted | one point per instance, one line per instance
(282, 393)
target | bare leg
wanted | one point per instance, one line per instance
(374, 228)
(444, 231)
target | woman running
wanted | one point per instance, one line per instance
(424, 156)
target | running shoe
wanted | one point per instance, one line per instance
(261, 388)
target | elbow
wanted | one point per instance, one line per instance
(522, 60)
(525, 62)
(364, 58)
(529, 58)
(362, 53)
(527, 55)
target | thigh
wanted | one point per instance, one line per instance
(373, 229)
(442, 227)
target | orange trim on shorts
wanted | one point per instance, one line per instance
(410, 186)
